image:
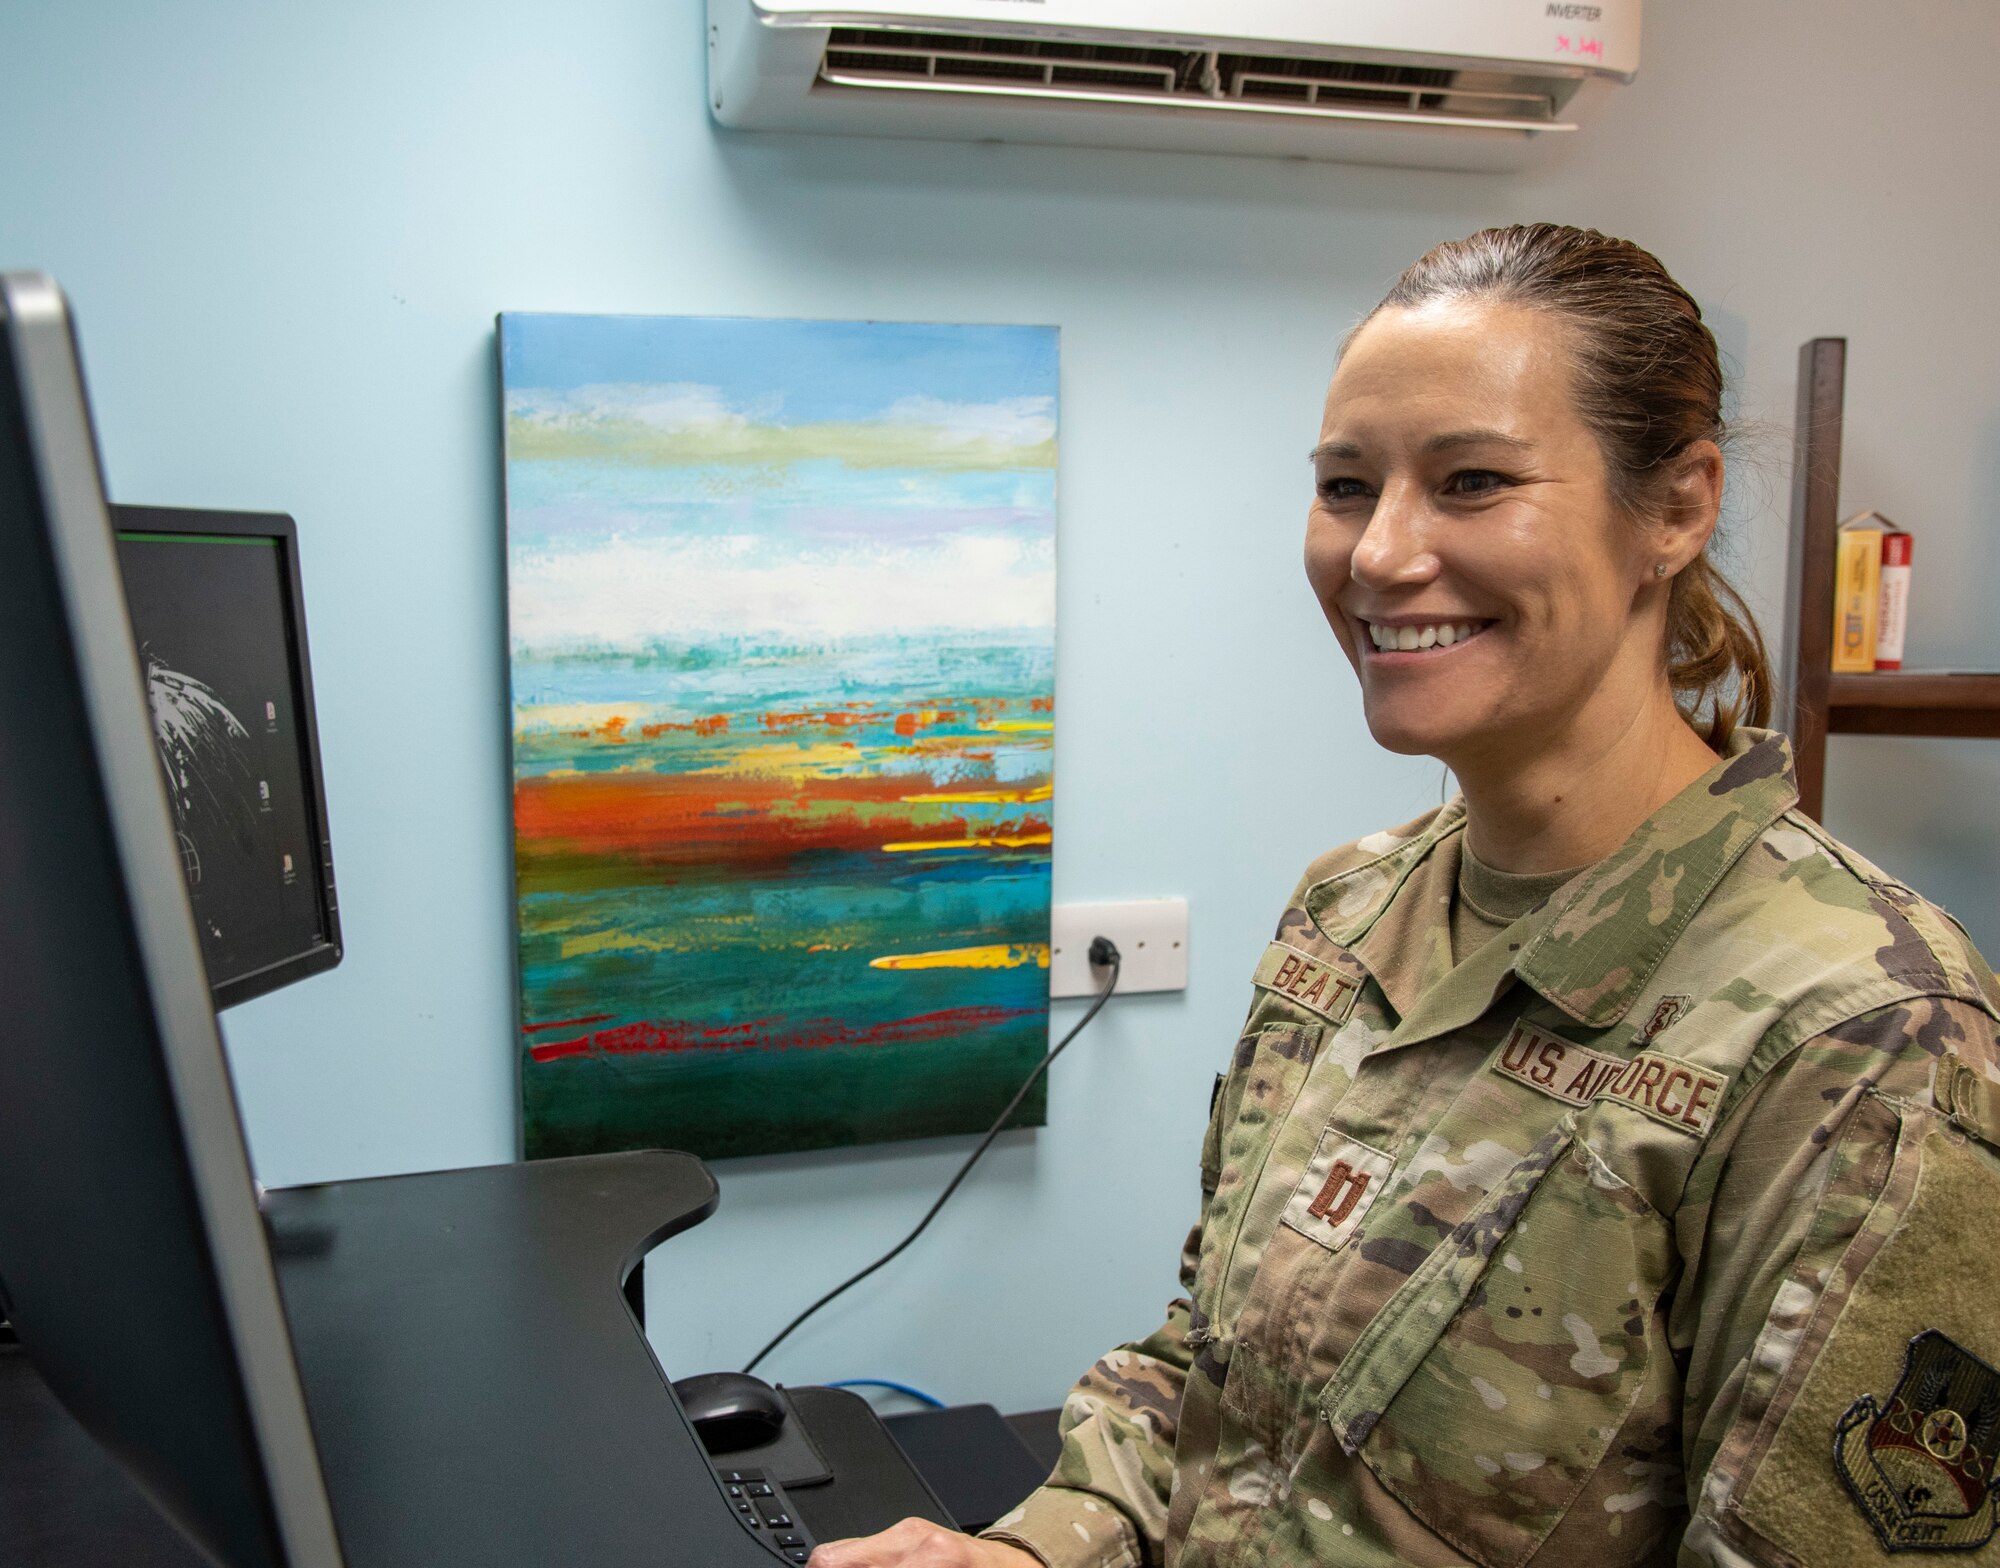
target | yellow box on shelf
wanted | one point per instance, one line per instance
(1857, 592)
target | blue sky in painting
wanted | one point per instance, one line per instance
(682, 479)
(825, 370)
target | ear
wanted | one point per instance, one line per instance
(1690, 507)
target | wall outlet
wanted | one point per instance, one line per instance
(1152, 938)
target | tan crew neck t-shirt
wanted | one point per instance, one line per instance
(1488, 901)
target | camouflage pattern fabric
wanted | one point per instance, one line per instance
(1544, 1257)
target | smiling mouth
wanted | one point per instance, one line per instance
(1422, 636)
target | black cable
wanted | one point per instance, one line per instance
(1103, 954)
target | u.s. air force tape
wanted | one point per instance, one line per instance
(1674, 1093)
(1311, 982)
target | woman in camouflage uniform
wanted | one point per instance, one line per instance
(1606, 1174)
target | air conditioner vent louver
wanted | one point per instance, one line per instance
(1419, 84)
(858, 57)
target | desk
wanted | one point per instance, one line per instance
(481, 1395)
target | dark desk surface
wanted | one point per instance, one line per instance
(479, 1389)
(64, 1503)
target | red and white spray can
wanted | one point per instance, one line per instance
(1893, 619)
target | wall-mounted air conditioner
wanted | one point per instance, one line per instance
(1460, 84)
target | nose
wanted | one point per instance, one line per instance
(1394, 549)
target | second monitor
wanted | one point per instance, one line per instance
(219, 620)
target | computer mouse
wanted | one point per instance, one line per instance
(731, 1410)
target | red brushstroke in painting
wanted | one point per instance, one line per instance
(653, 1037)
(830, 718)
(663, 819)
(713, 724)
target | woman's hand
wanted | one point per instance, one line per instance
(917, 1543)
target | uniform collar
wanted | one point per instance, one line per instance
(1593, 947)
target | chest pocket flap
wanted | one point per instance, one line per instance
(1489, 1389)
(1405, 1331)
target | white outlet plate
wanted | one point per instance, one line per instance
(1152, 938)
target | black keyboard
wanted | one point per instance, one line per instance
(763, 1509)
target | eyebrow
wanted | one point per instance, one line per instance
(1348, 451)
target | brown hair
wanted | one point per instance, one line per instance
(1649, 385)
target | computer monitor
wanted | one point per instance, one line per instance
(219, 618)
(133, 1261)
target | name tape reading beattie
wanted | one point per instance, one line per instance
(1311, 982)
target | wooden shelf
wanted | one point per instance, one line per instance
(1915, 689)
(1819, 703)
(1913, 703)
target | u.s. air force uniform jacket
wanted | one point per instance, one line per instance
(1664, 1227)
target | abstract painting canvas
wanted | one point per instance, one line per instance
(781, 602)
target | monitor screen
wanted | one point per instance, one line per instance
(217, 615)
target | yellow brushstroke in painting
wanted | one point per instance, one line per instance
(1000, 955)
(984, 797)
(826, 759)
(945, 745)
(613, 941)
(632, 442)
(713, 935)
(918, 846)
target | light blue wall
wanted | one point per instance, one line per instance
(286, 230)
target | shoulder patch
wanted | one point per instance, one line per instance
(1920, 1466)
(1313, 983)
(1867, 1446)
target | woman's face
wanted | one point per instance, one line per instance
(1464, 545)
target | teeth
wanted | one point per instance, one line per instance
(1411, 639)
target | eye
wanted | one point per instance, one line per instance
(1474, 482)
(1342, 487)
